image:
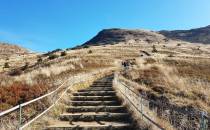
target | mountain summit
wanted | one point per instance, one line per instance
(116, 35)
(112, 36)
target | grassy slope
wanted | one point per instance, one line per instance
(178, 70)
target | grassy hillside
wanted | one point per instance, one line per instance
(175, 72)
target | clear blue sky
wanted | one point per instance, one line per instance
(43, 25)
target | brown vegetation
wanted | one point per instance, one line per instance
(18, 93)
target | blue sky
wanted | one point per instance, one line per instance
(43, 25)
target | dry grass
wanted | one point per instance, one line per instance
(179, 73)
(38, 78)
(184, 83)
(52, 116)
(142, 122)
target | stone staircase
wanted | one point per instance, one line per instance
(95, 108)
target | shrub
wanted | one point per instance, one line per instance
(39, 60)
(25, 66)
(178, 44)
(148, 41)
(86, 46)
(19, 92)
(53, 56)
(90, 51)
(6, 65)
(166, 39)
(154, 50)
(15, 72)
(63, 53)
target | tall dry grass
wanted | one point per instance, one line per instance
(175, 82)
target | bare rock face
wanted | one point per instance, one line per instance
(113, 36)
(199, 35)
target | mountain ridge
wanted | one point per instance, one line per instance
(117, 35)
(196, 35)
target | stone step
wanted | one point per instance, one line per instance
(93, 98)
(97, 89)
(101, 85)
(102, 125)
(94, 108)
(102, 81)
(92, 116)
(94, 103)
(95, 93)
(118, 109)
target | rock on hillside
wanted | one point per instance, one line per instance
(199, 35)
(112, 36)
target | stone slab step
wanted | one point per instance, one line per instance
(94, 103)
(117, 109)
(97, 89)
(95, 93)
(100, 85)
(93, 98)
(102, 81)
(92, 116)
(103, 125)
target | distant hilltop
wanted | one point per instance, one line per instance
(116, 35)
(113, 36)
(198, 35)
(7, 49)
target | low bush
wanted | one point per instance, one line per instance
(6, 65)
(63, 53)
(154, 50)
(39, 60)
(25, 66)
(53, 56)
(86, 46)
(15, 72)
(90, 51)
(178, 44)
